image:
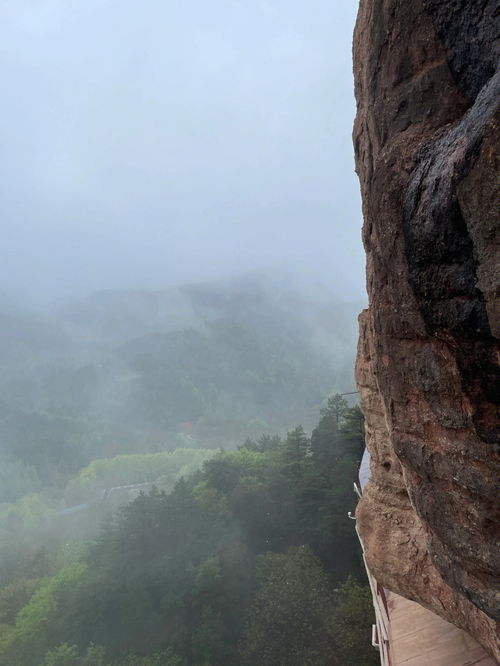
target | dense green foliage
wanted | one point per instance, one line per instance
(40, 527)
(128, 537)
(251, 560)
(162, 468)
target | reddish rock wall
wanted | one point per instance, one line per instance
(426, 139)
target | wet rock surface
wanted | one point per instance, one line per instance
(426, 139)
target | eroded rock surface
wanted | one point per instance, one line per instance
(426, 139)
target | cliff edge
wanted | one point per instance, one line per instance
(426, 139)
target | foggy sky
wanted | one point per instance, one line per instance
(145, 143)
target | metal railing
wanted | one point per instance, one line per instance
(380, 630)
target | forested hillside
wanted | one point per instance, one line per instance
(182, 274)
(250, 560)
(159, 502)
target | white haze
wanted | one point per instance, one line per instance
(152, 143)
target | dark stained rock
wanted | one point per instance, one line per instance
(426, 139)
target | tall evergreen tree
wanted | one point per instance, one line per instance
(295, 451)
(325, 441)
(353, 431)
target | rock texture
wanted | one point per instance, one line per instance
(426, 139)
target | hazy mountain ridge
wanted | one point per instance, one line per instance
(127, 371)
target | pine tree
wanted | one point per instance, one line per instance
(296, 450)
(325, 440)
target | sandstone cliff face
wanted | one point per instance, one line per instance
(426, 139)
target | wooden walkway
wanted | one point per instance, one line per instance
(418, 637)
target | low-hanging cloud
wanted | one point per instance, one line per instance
(157, 142)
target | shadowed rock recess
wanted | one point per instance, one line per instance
(426, 139)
